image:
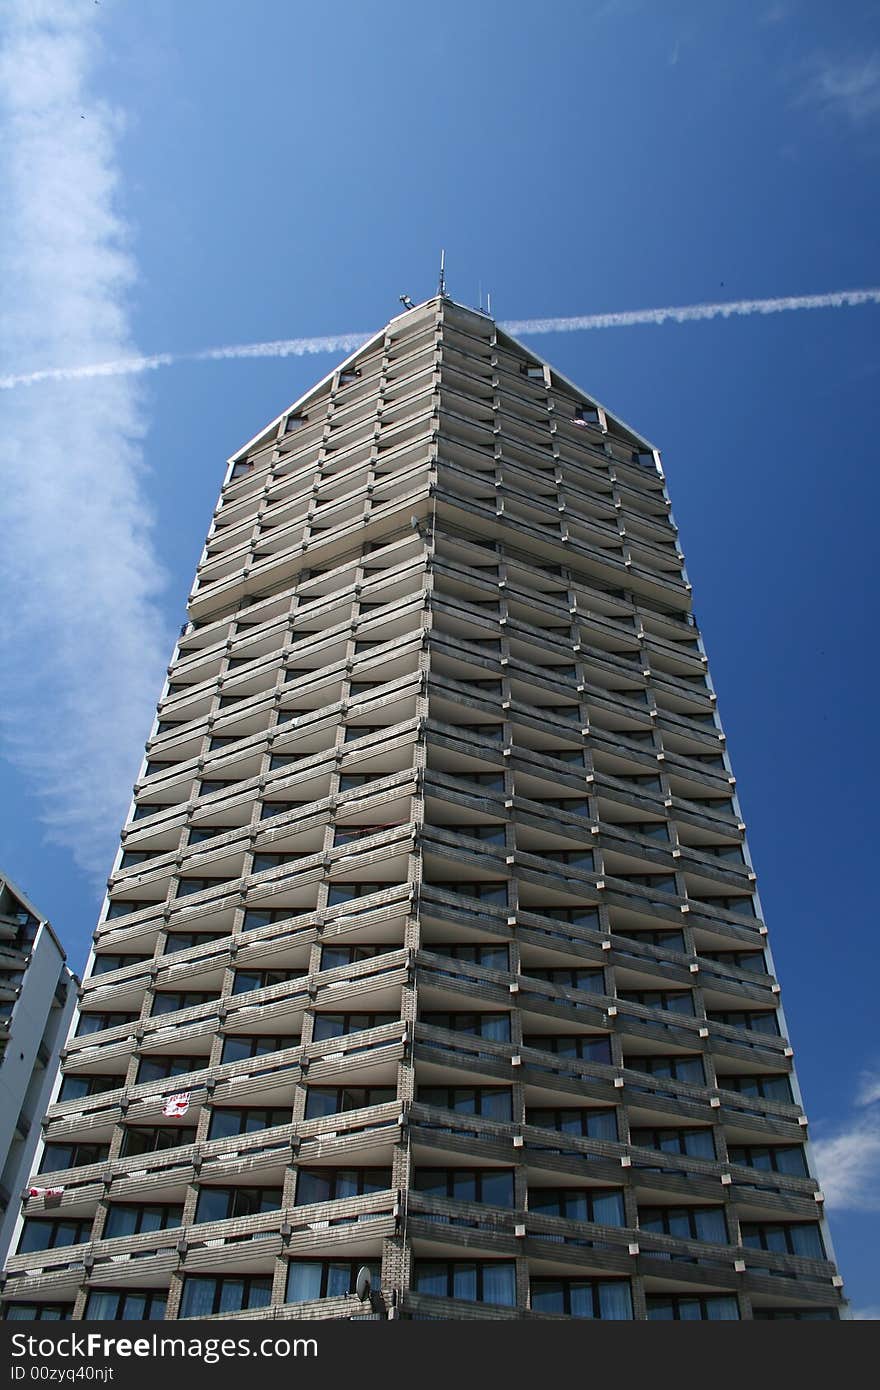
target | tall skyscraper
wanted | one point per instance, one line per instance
(37, 1000)
(433, 952)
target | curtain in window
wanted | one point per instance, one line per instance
(722, 1309)
(499, 1284)
(303, 1281)
(198, 1297)
(615, 1301)
(101, 1307)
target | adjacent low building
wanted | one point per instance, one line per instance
(37, 1001)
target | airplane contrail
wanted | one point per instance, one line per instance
(348, 342)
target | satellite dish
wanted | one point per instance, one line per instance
(363, 1284)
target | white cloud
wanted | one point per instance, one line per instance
(866, 1314)
(849, 85)
(848, 1163)
(83, 636)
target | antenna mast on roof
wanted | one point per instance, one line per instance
(441, 288)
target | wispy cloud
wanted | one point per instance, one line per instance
(847, 85)
(347, 342)
(848, 1162)
(83, 636)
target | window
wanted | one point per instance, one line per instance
(338, 1025)
(129, 1305)
(488, 834)
(255, 917)
(675, 1001)
(770, 1158)
(602, 1205)
(697, 1143)
(143, 1139)
(587, 415)
(295, 422)
(472, 1281)
(334, 956)
(691, 1307)
(223, 1203)
(672, 940)
(788, 1314)
(246, 980)
(105, 963)
(160, 1068)
(687, 1223)
(495, 1027)
(593, 981)
(490, 957)
(131, 1220)
(78, 1087)
(767, 1087)
(334, 1184)
(491, 1102)
(758, 1020)
(169, 1001)
(345, 892)
(57, 1157)
(789, 1238)
(493, 1186)
(241, 467)
(239, 1048)
(308, 1279)
(227, 1123)
(186, 886)
(744, 960)
(205, 1294)
(37, 1312)
(609, 1299)
(585, 1047)
(96, 1023)
(51, 1235)
(589, 1124)
(676, 1068)
(183, 940)
(334, 1100)
(261, 862)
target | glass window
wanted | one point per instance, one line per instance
(491, 1102)
(338, 1025)
(130, 1220)
(471, 1281)
(335, 1184)
(115, 1305)
(225, 1203)
(588, 1047)
(686, 1223)
(493, 1186)
(697, 1143)
(310, 1279)
(578, 1120)
(785, 1238)
(692, 1308)
(494, 1026)
(333, 1100)
(240, 1047)
(601, 1205)
(226, 1123)
(609, 1299)
(204, 1295)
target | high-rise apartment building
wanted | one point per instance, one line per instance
(37, 1001)
(433, 946)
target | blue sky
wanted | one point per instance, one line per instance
(190, 176)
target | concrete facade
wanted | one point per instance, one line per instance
(37, 1002)
(433, 945)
